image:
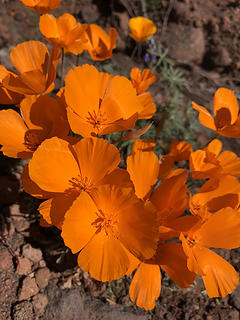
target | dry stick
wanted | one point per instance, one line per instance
(165, 20)
(134, 51)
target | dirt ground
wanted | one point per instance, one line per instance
(39, 277)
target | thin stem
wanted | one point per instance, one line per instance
(134, 51)
(77, 60)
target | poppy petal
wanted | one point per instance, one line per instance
(220, 278)
(78, 228)
(53, 165)
(225, 99)
(145, 287)
(104, 258)
(205, 117)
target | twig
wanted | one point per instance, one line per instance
(165, 20)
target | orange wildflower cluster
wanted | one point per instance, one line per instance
(117, 215)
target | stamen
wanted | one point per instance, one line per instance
(107, 224)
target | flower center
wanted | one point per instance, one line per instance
(79, 184)
(106, 223)
(32, 140)
(191, 242)
(97, 120)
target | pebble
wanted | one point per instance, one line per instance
(24, 266)
(29, 288)
(33, 254)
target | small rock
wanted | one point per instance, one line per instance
(42, 264)
(24, 266)
(42, 277)
(234, 315)
(5, 260)
(235, 298)
(90, 13)
(21, 224)
(186, 43)
(35, 255)
(15, 210)
(40, 302)
(29, 288)
(23, 311)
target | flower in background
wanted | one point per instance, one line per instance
(100, 45)
(37, 69)
(226, 121)
(41, 6)
(141, 28)
(64, 32)
(209, 162)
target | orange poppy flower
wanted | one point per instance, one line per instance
(226, 121)
(101, 225)
(141, 28)
(209, 162)
(100, 45)
(64, 32)
(179, 151)
(64, 170)
(37, 70)
(218, 230)
(41, 6)
(141, 82)
(214, 195)
(145, 287)
(42, 117)
(108, 105)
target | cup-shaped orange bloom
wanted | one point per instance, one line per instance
(141, 28)
(99, 103)
(101, 225)
(209, 162)
(179, 151)
(41, 6)
(218, 230)
(215, 194)
(100, 44)
(42, 117)
(145, 287)
(141, 81)
(37, 69)
(64, 32)
(64, 170)
(226, 121)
